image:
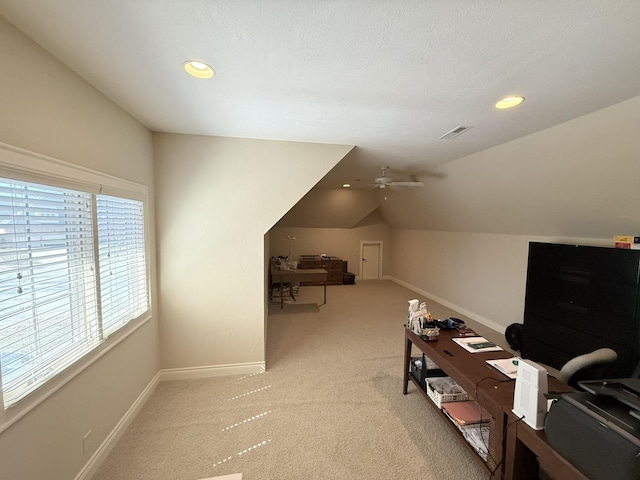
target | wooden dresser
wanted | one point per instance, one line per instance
(333, 265)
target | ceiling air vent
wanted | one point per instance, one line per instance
(451, 134)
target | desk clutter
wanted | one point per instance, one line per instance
(421, 322)
(467, 415)
(443, 390)
(473, 422)
(519, 420)
(440, 388)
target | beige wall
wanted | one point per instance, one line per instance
(331, 208)
(217, 198)
(47, 109)
(336, 242)
(574, 183)
(482, 276)
(577, 179)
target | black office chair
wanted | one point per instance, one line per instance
(589, 366)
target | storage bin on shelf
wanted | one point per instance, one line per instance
(423, 367)
(443, 390)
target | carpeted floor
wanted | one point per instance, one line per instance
(330, 405)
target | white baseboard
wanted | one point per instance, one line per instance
(91, 467)
(382, 277)
(211, 371)
(472, 315)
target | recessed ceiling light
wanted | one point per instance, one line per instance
(198, 69)
(346, 185)
(509, 102)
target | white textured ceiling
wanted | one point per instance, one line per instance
(387, 76)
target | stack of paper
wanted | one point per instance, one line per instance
(477, 344)
(507, 366)
(477, 436)
(476, 433)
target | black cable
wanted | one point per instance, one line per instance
(504, 433)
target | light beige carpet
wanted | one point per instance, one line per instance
(330, 405)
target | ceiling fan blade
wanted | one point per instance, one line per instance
(407, 184)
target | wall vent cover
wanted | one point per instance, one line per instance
(451, 134)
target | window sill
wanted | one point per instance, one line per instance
(15, 412)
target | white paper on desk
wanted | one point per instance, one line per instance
(506, 366)
(468, 342)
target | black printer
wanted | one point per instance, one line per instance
(598, 430)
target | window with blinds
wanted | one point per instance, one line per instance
(72, 271)
(123, 271)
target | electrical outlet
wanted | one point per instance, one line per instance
(86, 442)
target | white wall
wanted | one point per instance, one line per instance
(48, 109)
(216, 200)
(336, 242)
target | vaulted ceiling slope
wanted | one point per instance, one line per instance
(579, 179)
(331, 208)
(390, 77)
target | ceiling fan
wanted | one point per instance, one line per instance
(384, 182)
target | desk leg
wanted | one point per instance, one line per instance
(407, 362)
(325, 292)
(496, 448)
(520, 463)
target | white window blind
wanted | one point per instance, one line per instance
(53, 307)
(123, 274)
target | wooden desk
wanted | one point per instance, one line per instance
(301, 275)
(520, 450)
(483, 383)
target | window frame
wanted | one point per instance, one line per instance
(20, 164)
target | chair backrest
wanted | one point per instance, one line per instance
(586, 366)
